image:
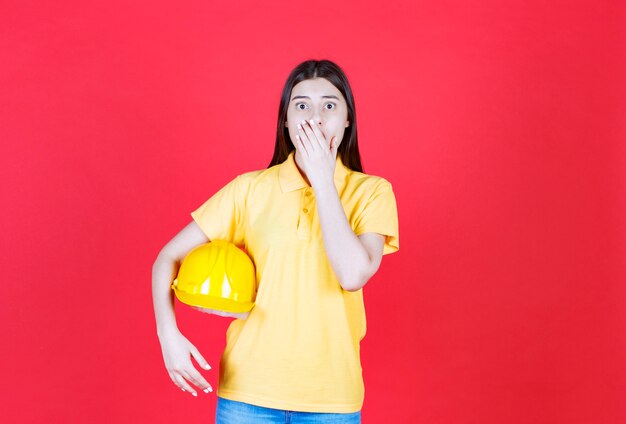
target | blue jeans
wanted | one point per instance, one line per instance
(234, 412)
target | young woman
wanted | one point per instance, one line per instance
(316, 228)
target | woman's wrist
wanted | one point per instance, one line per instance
(167, 329)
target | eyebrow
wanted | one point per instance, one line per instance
(323, 97)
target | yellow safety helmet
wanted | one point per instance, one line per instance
(217, 275)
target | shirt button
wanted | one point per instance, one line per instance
(307, 193)
(305, 210)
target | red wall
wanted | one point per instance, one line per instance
(501, 126)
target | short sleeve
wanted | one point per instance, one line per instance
(222, 216)
(379, 214)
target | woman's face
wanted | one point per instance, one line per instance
(319, 100)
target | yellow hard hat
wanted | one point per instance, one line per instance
(217, 275)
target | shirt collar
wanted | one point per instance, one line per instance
(291, 179)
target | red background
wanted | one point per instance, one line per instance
(501, 125)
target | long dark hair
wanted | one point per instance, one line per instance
(349, 148)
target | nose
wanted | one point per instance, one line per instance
(316, 119)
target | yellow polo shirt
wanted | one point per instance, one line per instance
(299, 348)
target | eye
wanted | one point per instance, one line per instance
(334, 106)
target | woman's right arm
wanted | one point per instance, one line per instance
(175, 347)
(164, 271)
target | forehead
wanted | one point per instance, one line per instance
(315, 88)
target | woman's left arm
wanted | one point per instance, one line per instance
(354, 259)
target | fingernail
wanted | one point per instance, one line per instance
(207, 367)
(300, 126)
(194, 393)
(207, 390)
(312, 122)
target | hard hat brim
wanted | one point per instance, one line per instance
(214, 302)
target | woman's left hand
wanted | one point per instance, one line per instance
(318, 154)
